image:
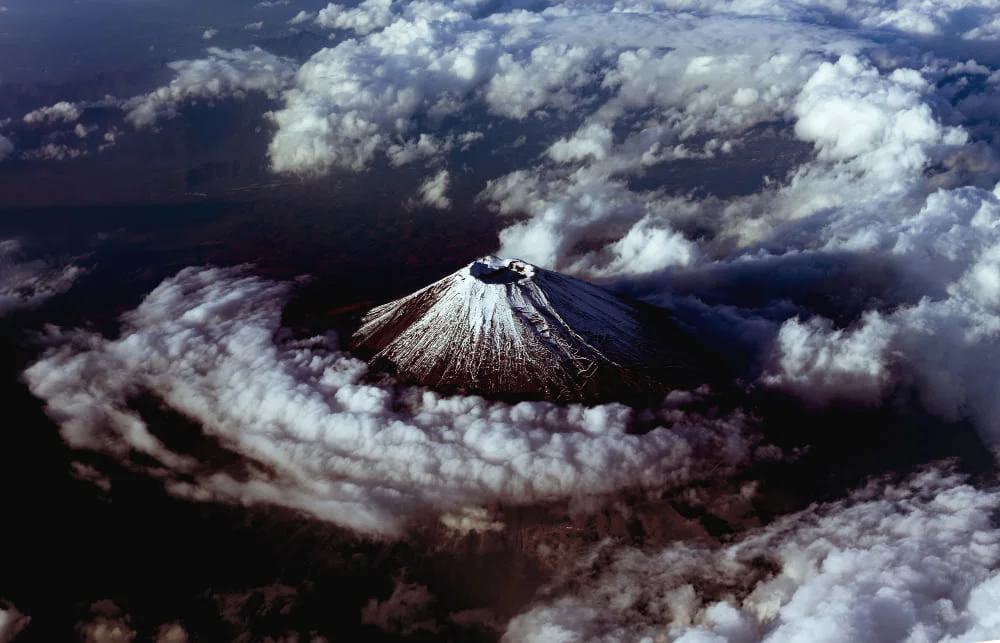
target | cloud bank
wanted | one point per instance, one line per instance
(916, 561)
(625, 91)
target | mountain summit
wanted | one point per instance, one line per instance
(506, 327)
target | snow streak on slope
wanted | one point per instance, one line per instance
(500, 326)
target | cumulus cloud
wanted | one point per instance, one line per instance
(301, 17)
(208, 34)
(433, 192)
(61, 112)
(357, 99)
(703, 84)
(848, 109)
(627, 90)
(223, 74)
(362, 19)
(428, 62)
(254, 26)
(944, 342)
(208, 344)
(820, 364)
(25, 282)
(83, 131)
(915, 561)
(893, 137)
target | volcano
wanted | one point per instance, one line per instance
(506, 328)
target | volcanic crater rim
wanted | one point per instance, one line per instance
(495, 270)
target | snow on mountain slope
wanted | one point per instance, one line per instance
(507, 327)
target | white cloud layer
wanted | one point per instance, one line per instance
(915, 562)
(371, 458)
(627, 89)
(427, 61)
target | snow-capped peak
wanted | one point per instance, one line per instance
(506, 326)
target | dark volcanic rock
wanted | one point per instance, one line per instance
(508, 328)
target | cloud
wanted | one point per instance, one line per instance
(881, 157)
(626, 91)
(12, 621)
(53, 152)
(61, 112)
(208, 34)
(820, 363)
(172, 633)
(915, 561)
(891, 125)
(355, 100)
(223, 74)
(302, 17)
(25, 283)
(208, 345)
(422, 64)
(362, 19)
(948, 18)
(433, 192)
(254, 26)
(108, 624)
(941, 339)
(706, 84)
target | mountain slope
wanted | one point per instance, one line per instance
(509, 328)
